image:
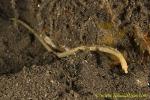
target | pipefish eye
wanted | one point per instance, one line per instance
(148, 84)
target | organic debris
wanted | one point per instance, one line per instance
(142, 39)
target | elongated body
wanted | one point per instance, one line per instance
(51, 47)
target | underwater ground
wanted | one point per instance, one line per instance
(29, 72)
